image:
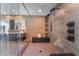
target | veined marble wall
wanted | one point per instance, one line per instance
(67, 13)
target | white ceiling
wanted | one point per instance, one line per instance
(32, 8)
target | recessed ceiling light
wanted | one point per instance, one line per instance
(13, 10)
(4, 13)
(39, 10)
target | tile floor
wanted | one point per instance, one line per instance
(39, 49)
(10, 48)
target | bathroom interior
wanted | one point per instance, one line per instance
(39, 29)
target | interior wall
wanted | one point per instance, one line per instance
(35, 25)
(59, 29)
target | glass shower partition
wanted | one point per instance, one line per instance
(11, 25)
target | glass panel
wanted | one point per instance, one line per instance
(12, 28)
(0, 28)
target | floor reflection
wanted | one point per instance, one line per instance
(10, 48)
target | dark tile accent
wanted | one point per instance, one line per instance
(63, 54)
(40, 40)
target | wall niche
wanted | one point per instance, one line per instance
(70, 31)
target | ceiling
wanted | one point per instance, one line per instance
(37, 9)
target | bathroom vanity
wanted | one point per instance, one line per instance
(13, 36)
